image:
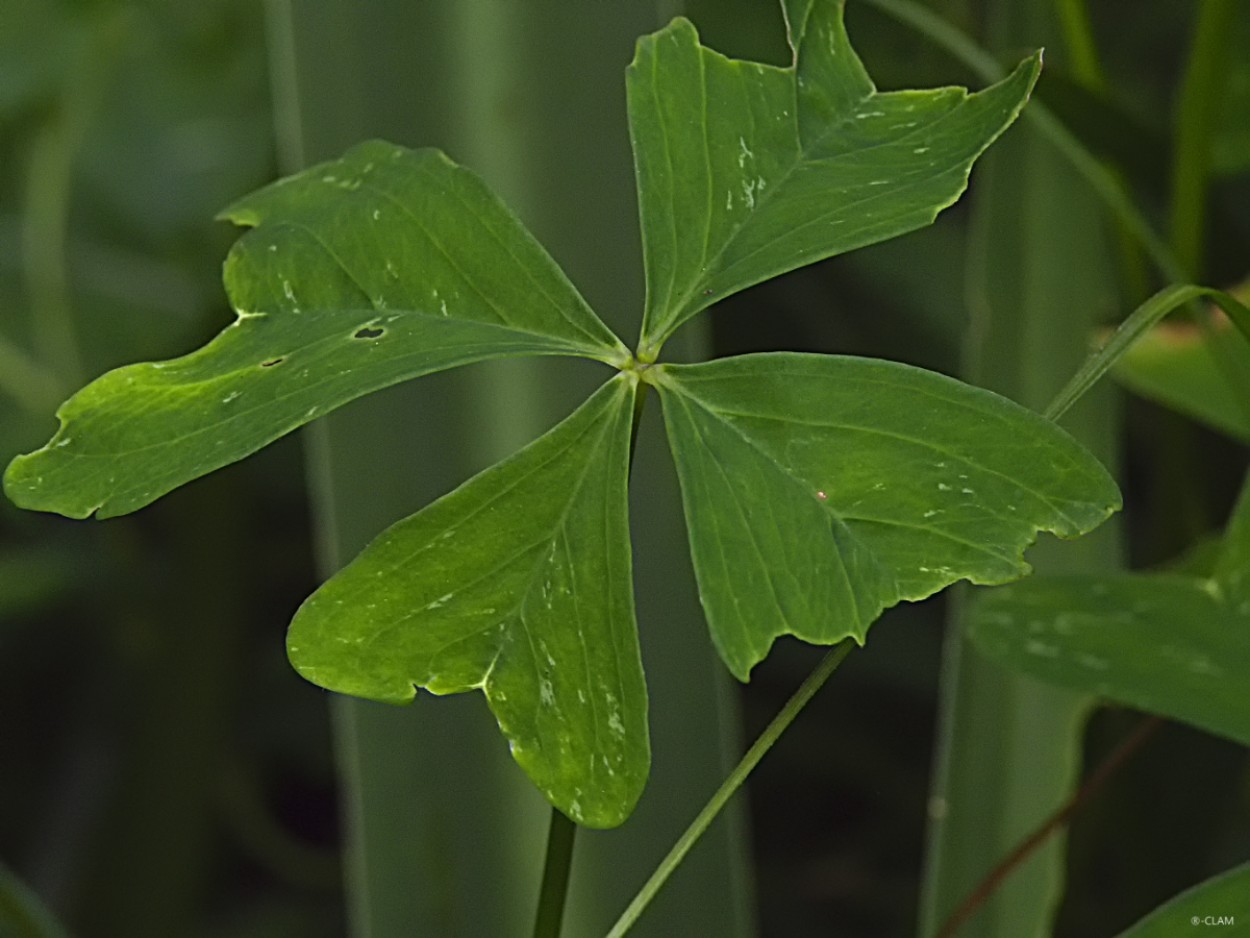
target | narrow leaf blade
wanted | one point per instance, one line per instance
(381, 266)
(820, 489)
(746, 171)
(519, 584)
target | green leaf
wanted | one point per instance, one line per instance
(1166, 643)
(381, 266)
(820, 489)
(519, 584)
(746, 171)
(1217, 903)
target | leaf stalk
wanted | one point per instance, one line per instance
(807, 690)
(555, 886)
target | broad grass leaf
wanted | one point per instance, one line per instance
(1171, 644)
(1219, 902)
(517, 584)
(820, 489)
(383, 265)
(746, 171)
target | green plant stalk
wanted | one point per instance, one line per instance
(1009, 748)
(1078, 42)
(1205, 76)
(750, 759)
(426, 819)
(554, 890)
(49, 185)
(1082, 53)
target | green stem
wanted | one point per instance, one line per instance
(49, 190)
(1195, 122)
(732, 783)
(555, 887)
(1082, 51)
(1078, 40)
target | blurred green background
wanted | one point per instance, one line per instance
(164, 772)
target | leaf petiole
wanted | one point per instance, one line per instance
(807, 690)
(555, 887)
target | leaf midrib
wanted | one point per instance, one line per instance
(675, 317)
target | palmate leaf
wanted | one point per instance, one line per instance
(746, 171)
(383, 265)
(820, 489)
(519, 584)
(1172, 644)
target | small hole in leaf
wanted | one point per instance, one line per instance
(272, 362)
(369, 332)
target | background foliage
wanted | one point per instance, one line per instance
(165, 772)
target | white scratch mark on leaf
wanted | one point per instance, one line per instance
(744, 153)
(748, 192)
(440, 602)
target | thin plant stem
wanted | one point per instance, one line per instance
(1078, 39)
(1082, 50)
(48, 196)
(1205, 75)
(732, 783)
(555, 886)
(1027, 847)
